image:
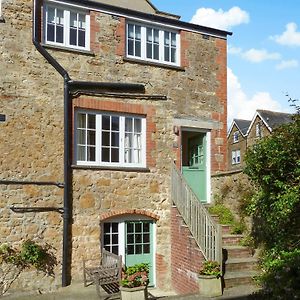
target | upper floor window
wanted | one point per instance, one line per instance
(106, 139)
(152, 44)
(65, 27)
(236, 137)
(235, 157)
(258, 130)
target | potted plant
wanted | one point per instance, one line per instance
(134, 282)
(210, 284)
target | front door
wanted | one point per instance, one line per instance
(139, 244)
(194, 168)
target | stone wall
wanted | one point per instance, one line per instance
(31, 139)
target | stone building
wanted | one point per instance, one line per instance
(98, 99)
(245, 133)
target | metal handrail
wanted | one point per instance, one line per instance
(206, 232)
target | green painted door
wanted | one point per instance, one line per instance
(195, 172)
(139, 244)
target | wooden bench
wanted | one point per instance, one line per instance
(105, 274)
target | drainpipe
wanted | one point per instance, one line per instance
(36, 33)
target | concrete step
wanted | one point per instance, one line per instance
(241, 264)
(236, 278)
(236, 251)
(231, 239)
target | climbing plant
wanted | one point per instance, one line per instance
(13, 261)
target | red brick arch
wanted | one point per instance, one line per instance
(118, 213)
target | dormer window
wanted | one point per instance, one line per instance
(152, 44)
(66, 27)
(258, 131)
(236, 137)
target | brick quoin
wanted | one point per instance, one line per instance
(95, 30)
(221, 117)
(186, 257)
(120, 36)
(121, 107)
(184, 45)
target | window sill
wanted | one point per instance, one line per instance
(67, 49)
(151, 63)
(106, 168)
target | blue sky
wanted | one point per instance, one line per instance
(263, 52)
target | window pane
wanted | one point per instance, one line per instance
(115, 155)
(128, 156)
(173, 55)
(115, 250)
(115, 139)
(138, 249)
(156, 52)
(167, 56)
(146, 238)
(130, 238)
(81, 153)
(92, 121)
(138, 49)
(149, 50)
(81, 120)
(130, 249)
(149, 34)
(106, 122)
(115, 123)
(73, 20)
(115, 227)
(173, 39)
(81, 23)
(130, 47)
(114, 239)
(73, 36)
(91, 137)
(137, 125)
(106, 239)
(105, 138)
(146, 248)
(59, 16)
(81, 38)
(146, 227)
(130, 227)
(91, 153)
(50, 32)
(80, 136)
(138, 238)
(128, 140)
(138, 227)
(130, 31)
(128, 124)
(105, 154)
(167, 38)
(138, 32)
(106, 227)
(59, 34)
(51, 14)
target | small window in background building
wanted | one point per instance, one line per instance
(235, 157)
(2, 118)
(236, 137)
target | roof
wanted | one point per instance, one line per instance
(274, 119)
(139, 5)
(241, 124)
(157, 17)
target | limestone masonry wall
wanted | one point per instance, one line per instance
(31, 138)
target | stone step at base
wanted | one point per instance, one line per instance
(241, 264)
(237, 278)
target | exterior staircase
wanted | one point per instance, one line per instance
(239, 263)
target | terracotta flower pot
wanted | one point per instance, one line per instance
(136, 293)
(210, 286)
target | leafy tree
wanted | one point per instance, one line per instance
(273, 165)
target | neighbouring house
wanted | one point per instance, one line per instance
(245, 133)
(102, 105)
(237, 143)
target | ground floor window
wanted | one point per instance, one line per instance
(236, 157)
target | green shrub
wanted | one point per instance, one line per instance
(210, 267)
(136, 275)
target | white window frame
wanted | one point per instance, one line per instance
(235, 157)
(161, 44)
(235, 136)
(66, 26)
(98, 141)
(258, 130)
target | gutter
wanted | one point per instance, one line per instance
(69, 87)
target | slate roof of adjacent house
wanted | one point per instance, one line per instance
(273, 118)
(242, 125)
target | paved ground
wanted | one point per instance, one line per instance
(77, 291)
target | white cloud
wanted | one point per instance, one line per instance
(243, 107)
(287, 64)
(257, 56)
(290, 37)
(220, 19)
(234, 50)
